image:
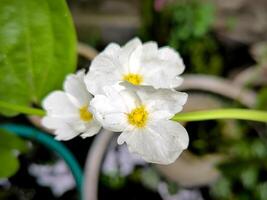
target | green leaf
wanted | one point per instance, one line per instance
(249, 177)
(38, 49)
(10, 147)
(262, 99)
(113, 180)
(10, 163)
(150, 178)
(221, 189)
(10, 141)
(261, 190)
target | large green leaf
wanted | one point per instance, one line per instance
(10, 141)
(37, 49)
(10, 163)
(10, 147)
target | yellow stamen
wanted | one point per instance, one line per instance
(135, 79)
(138, 117)
(85, 115)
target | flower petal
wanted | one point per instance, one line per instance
(92, 129)
(135, 60)
(103, 72)
(158, 67)
(126, 52)
(125, 98)
(58, 103)
(161, 103)
(112, 50)
(162, 69)
(111, 108)
(160, 73)
(76, 127)
(108, 114)
(149, 50)
(74, 86)
(161, 142)
(164, 104)
(52, 122)
(169, 54)
(66, 132)
(130, 46)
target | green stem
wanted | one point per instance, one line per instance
(243, 114)
(21, 109)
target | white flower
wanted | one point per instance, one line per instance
(143, 115)
(137, 63)
(68, 111)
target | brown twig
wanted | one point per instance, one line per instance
(219, 86)
(86, 51)
(254, 75)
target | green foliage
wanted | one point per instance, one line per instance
(113, 180)
(150, 178)
(172, 187)
(191, 23)
(244, 171)
(261, 191)
(186, 26)
(249, 177)
(222, 189)
(191, 20)
(198, 141)
(11, 163)
(38, 49)
(244, 149)
(10, 147)
(204, 56)
(262, 99)
(243, 174)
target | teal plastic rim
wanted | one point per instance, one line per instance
(52, 144)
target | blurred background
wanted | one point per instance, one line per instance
(223, 44)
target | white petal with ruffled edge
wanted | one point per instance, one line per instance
(103, 71)
(157, 67)
(110, 109)
(160, 140)
(74, 87)
(58, 103)
(63, 110)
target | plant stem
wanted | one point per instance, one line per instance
(243, 114)
(21, 109)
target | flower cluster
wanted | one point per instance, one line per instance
(133, 89)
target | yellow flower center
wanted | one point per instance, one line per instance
(135, 79)
(138, 117)
(85, 115)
